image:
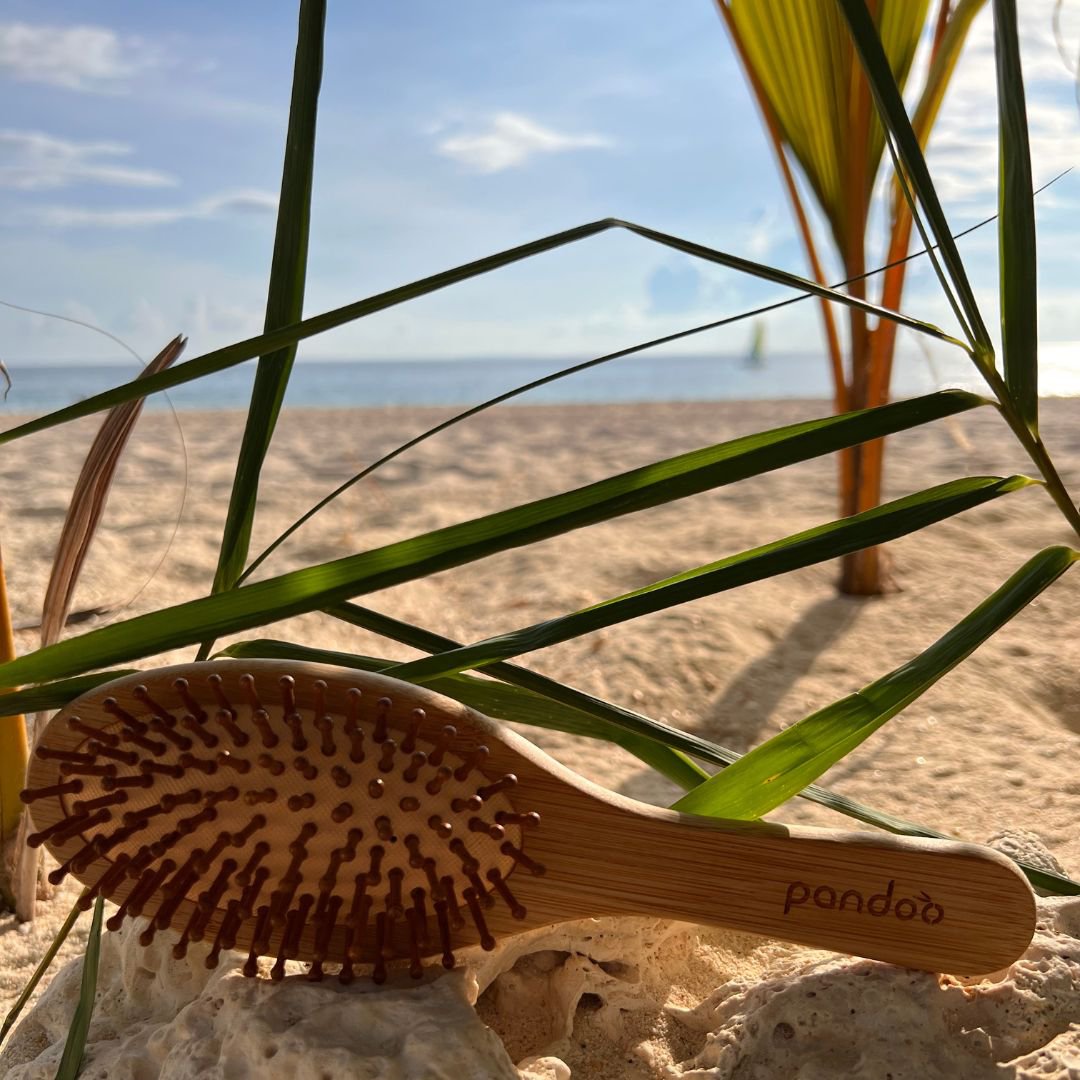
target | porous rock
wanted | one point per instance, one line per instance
(156, 1017)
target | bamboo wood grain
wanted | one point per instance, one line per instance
(936, 905)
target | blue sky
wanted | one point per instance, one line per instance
(140, 153)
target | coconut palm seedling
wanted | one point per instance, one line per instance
(818, 110)
(745, 787)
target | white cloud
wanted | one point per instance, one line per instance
(237, 202)
(34, 161)
(85, 58)
(509, 140)
(963, 147)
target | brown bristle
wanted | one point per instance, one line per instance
(111, 783)
(442, 774)
(412, 771)
(112, 707)
(416, 721)
(261, 719)
(296, 728)
(271, 764)
(305, 768)
(196, 711)
(175, 771)
(416, 965)
(504, 783)
(72, 768)
(193, 724)
(386, 756)
(420, 818)
(227, 794)
(382, 717)
(69, 787)
(142, 695)
(165, 730)
(530, 820)
(456, 920)
(521, 858)
(473, 760)
(230, 761)
(441, 827)
(445, 937)
(516, 909)
(204, 765)
(138, 739)
(472, 803)
(442, 744)
(82, 805)
(75, 723)
(47, 753)
(418, 897)
(267, 795)
(496, 832)
(325, 727)
(125, 757)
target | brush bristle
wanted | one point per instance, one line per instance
(346, 832)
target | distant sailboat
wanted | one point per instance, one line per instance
(755, 358)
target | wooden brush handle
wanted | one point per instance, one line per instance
(931, 904)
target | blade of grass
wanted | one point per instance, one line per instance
(1016, 222)
(75, 1047)
(285, 295)
(819, 544)
(611, 717)
(895, 118)
(331, 582)
(39, 972)
(572, 370)
(230, 355)
(779, 768)
(55, 695)
(89, 498)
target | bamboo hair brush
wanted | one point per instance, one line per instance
(327, 815)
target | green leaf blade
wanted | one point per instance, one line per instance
(1016, 222)
(75, 1046)
(329, 583)
(824, 542)
(894, 115)
(231, 355)
(285, 295)
(779, 768)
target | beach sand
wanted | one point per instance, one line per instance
(992, 746)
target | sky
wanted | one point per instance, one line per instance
(141, 144)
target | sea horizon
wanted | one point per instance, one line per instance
(42, 387)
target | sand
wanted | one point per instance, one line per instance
(992, 746)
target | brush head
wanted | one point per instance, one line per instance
(322, 815)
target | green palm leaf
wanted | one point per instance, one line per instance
(1016, 223)
(801, 52)
(285, 299)
(328, 583)
(266, 343)
(771, 773)
(822, 543)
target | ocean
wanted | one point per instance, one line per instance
(655, 377)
